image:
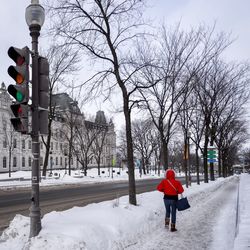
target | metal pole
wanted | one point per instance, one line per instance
(35, 213)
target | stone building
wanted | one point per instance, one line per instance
(16, 151)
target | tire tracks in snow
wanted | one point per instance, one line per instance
(196, 225)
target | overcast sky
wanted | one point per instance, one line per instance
(231, 16)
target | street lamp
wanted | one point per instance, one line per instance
(35, 16)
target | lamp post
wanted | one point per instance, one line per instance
(35, 16)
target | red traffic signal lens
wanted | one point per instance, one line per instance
(19, 111)
(20, 60)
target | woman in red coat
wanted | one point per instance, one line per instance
(171, 188)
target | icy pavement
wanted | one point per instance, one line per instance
(195, 226)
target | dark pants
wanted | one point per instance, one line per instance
(170, 206)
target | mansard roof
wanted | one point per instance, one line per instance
(64, 102)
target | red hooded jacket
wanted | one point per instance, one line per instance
(167, 188)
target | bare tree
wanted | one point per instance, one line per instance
(215, 91)
(180, 55)
(234, 135)
(105, 31)
(229, 112)
(145, 141)
(122, 145)
(71, 118)
(8, 141)
(86, 134)
(99, 143)
(62, 61)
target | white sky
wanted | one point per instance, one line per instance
(209, 224)
(230, 15)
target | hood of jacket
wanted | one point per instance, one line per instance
(170, 174)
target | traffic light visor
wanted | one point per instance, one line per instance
(19, 96)
(16, 55)
(17, 76)
(19, 110)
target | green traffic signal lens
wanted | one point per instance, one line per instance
(19, 96)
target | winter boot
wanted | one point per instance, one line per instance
(173, 229)
(167, 220)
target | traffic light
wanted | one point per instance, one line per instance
(20, 122)
(20, 73)
(20, 91)
(43, 71)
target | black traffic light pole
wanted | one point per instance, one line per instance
(35, 16)
(35, 213)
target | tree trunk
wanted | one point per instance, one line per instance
(70, 153)
(98, 167)
(185, 160)
(46, 159)
(164, 152)
(9, 162)
(143, 165)
(205, 157)
(219, 162)
(130, 160)
(197, 165)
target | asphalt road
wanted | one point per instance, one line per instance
(60, 198)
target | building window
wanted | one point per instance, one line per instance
(29, 144)
(14, 143)
(56, 161)
(5, 143)
(61, 161)
(4, 162)
(56, 145)
(30, 162)
(41, 161)
(14, 162)
(23, 162)
(23, 144)
(51, 145)
(4, 125)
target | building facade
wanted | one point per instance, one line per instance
(16, 149)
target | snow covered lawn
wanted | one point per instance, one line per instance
(117, 225)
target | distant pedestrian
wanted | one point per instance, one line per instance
(171, 188)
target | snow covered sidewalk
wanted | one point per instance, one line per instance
(195, 226)
(209, 224)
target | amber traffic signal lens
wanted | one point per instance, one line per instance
(19, 78)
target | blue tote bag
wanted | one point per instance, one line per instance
(182, 203)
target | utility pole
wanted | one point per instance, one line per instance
(35, 16)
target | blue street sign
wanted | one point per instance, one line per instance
(211, 160)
